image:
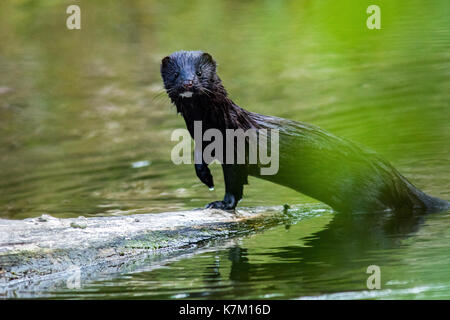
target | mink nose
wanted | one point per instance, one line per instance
(187, 84)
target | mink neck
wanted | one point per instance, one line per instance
(213, 109)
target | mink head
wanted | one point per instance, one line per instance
(189, 74)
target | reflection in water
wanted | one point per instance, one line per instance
(344, 247)
(240, 267)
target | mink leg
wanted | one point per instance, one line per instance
(235, 177)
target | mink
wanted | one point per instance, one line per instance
(333, 170)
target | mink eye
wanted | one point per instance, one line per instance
(176, 74)
(198, 73)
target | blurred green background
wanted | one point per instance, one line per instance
(78, 107)
(85, 125)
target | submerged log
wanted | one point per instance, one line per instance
(46, 252)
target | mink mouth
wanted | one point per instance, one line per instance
(186, 94)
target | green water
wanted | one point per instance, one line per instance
(85, 130)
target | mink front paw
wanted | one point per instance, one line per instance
(204, 174)
(223, 205)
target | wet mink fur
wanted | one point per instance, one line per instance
(312, 161)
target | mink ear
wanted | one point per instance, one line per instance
(207, 57)
(165, 61)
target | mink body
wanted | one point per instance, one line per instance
(312, 161)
